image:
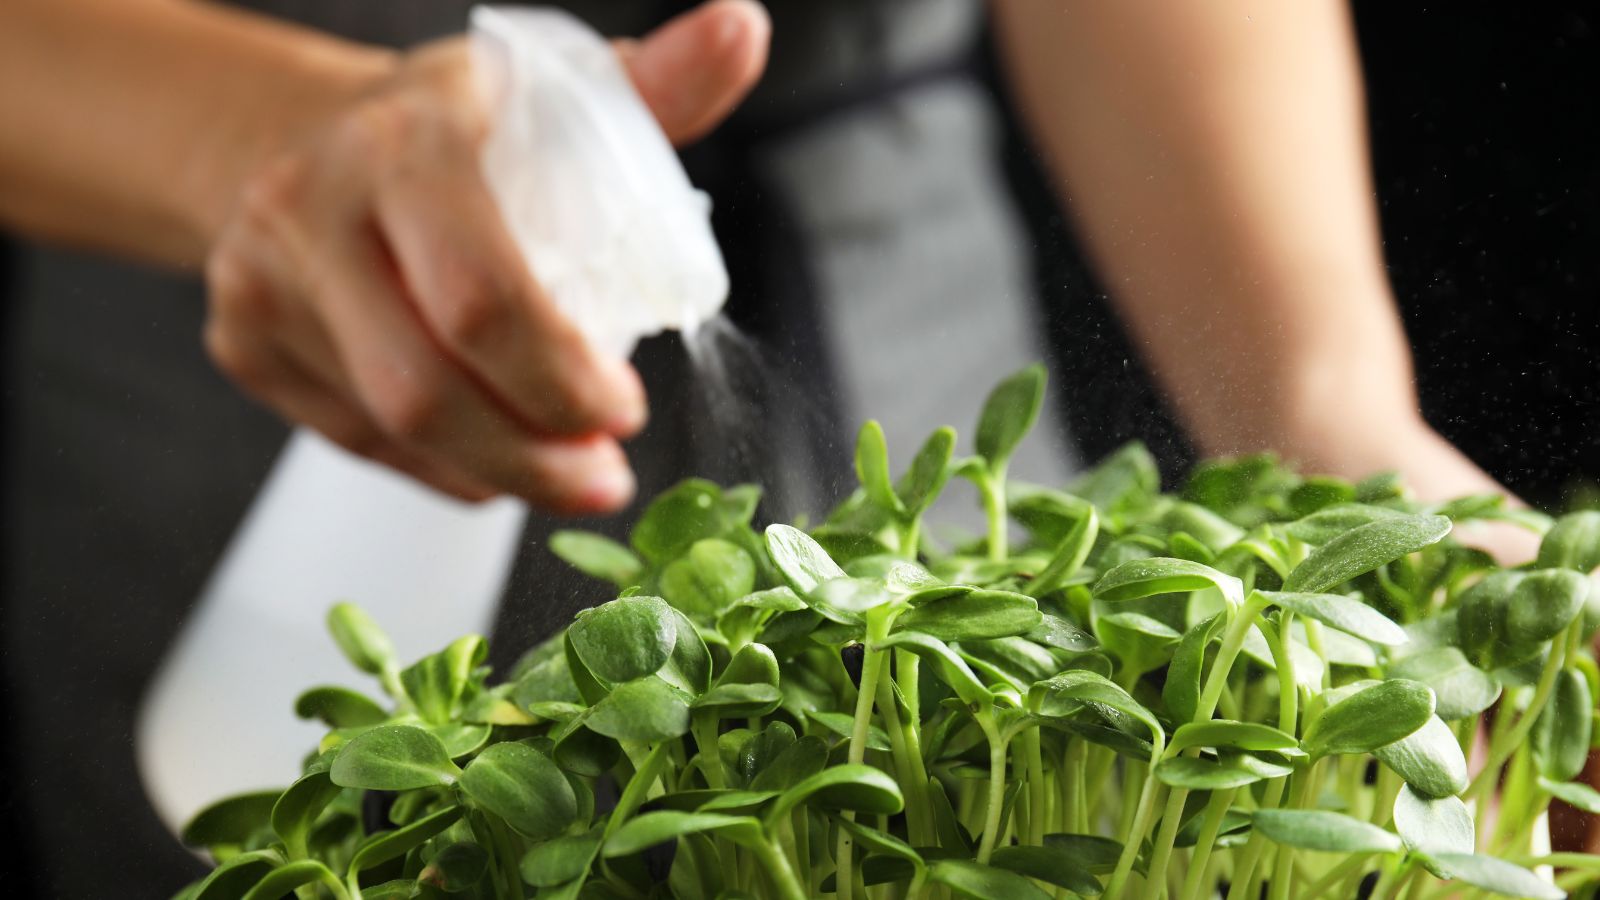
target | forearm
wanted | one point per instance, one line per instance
(1214, 154)
(125, 125)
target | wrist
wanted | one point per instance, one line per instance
(296, 88)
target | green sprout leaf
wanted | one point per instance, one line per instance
(1543, 604)
(1336, 611)
(360, 639)
(1196, 773)
(1329, 832)
(1008, 415)
(1462, 689)
(648, 710)
(1223, 733)
(1574, 793)
(1433, 825)
(598, 556)
(872, 468)
(386, 845)
(1371, 718)
(1362, 549)
(1428, 759)
(1573, 542)
(1063, 693)
(1561, 735)
(435, 682)
(393, 758)
(980, 882)
(802, 561)
(930, 469)
(849, 786)
(1148, 577)
(339, 707)
(1182, 688)
(230, 821)
(560, 860)
(652, 828)
(1047, 865)
(523, 787)
(628, 638)
(298, 807)
(1494, 875)
(284, 879)
(974, 615)
(711, 577)
(689, 512)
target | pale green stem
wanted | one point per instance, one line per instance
(777, 868)
(1133, 835)
(1101, 759)
(1210, 827)
(1392, 881)
(997, 785)
(1036, 786)
(1244, 872)
(908, 766)
(1074, 777)
(1334, 876)
(1386, 790)
(800, 827)
(1586, 861)
(1282, 874)
(993, 488)
(1507, 743)
(705, 736)
(870, 669)
(1232, 642)
(1171, 817)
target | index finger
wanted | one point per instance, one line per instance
(475, 292)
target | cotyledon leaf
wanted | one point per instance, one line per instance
(1362, 549)
(1160, 575)
(1324, 830)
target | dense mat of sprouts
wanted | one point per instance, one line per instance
(1263, 683)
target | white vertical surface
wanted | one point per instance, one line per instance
(218, 718)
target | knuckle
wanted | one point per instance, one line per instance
(472, 313)
(580, 395)
(357, 437)
(234, 356)
(410, 411)
(238, 289)
(378, 129)
(573, 400)
(277, 191)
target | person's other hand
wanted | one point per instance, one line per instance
(1431, 467)
(365, 285)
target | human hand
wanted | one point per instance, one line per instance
(1431, 467)
(364, 284)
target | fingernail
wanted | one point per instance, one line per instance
(609, 489)
(730, 29)
(632, 410)
(737, 23)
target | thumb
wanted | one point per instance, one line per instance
(695, 69)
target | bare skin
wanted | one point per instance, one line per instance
(1215, 157)
(361, 283)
